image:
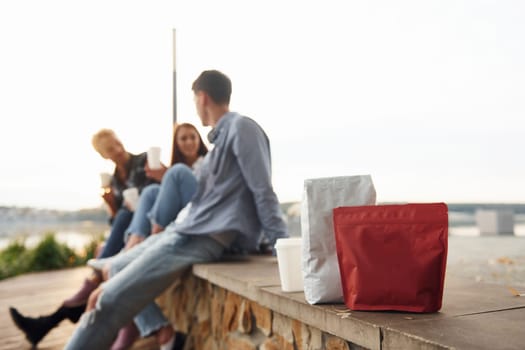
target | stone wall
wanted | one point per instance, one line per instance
(215, 319)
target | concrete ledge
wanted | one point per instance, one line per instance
(474, 315)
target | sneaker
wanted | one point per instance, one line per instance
(98, 264)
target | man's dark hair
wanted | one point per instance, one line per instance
(217, 85)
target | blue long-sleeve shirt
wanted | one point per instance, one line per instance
(235, 190)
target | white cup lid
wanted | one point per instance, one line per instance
(288, 242)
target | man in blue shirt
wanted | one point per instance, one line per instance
(234, 205)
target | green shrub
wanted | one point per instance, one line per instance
(13, 259)
(47, 255)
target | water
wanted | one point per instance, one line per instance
(75, 234)
(78, 234)
(497, 259)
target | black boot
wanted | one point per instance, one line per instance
(71, 313)
(180, 339)
(35, 329)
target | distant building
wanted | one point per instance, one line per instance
(293, 215)
(495, 222)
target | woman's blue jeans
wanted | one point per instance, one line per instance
(115, 241)
(144, 272)
(160, 204)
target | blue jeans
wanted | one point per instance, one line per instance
(144, 272)
(160, 204)
(115, 241)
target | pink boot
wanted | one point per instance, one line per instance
(81, 297)
(126, 337)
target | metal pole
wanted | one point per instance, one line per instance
(174, 80)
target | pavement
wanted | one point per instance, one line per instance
(492, 259)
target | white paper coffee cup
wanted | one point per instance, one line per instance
(154, 157)
(289, 253)
(105, 180)
(131, 197)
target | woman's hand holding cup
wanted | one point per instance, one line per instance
(155, 174)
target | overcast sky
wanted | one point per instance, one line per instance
(426, 96)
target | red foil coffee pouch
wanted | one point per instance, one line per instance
(392, 257)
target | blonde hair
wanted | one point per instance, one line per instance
(99, 135)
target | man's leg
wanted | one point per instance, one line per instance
(150, 320)
(139, 283)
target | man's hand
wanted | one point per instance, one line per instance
(93, 298)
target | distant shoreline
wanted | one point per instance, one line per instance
(74, 234)
(31, 223)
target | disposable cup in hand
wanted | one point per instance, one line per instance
(289, 253)
(105, 180)
(131, 197)
(154, 157)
